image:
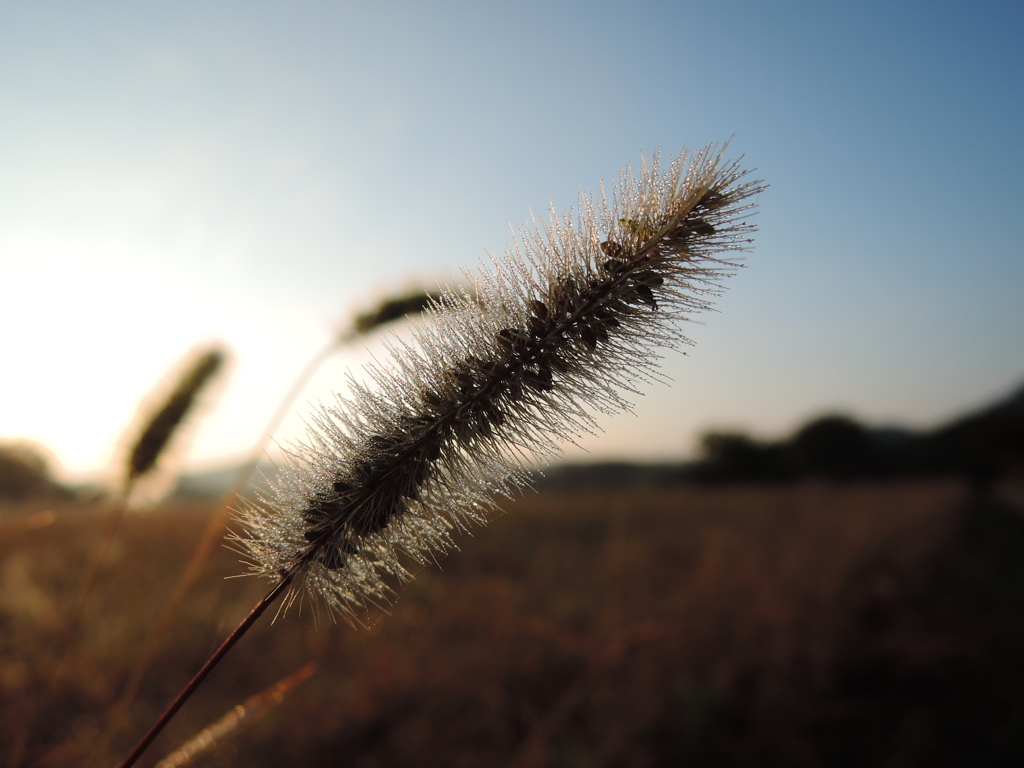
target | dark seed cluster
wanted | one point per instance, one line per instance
(369, 494)
(400, 464)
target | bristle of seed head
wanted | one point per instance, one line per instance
(166, 419)
(560, 329)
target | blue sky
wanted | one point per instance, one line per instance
(256, 172)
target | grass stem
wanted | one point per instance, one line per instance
(202, 674)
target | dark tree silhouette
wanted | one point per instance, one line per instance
(25, 474)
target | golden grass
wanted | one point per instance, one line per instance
(559, 635)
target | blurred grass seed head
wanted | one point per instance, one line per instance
(161, 424)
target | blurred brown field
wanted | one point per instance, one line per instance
(691, 626)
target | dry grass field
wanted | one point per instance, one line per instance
(792, 625)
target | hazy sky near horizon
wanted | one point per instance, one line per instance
(256, 172)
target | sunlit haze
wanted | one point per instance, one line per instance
(255, 173)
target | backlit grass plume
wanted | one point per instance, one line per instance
(560, 328)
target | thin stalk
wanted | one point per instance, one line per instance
(237, 718)
(202, 674)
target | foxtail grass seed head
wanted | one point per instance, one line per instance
(167, 417)
(394, 308)
(560, 330)
(407, 305)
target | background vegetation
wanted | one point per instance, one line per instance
(805, 624)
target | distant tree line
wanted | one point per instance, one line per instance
(981, 447)
(25, 474)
